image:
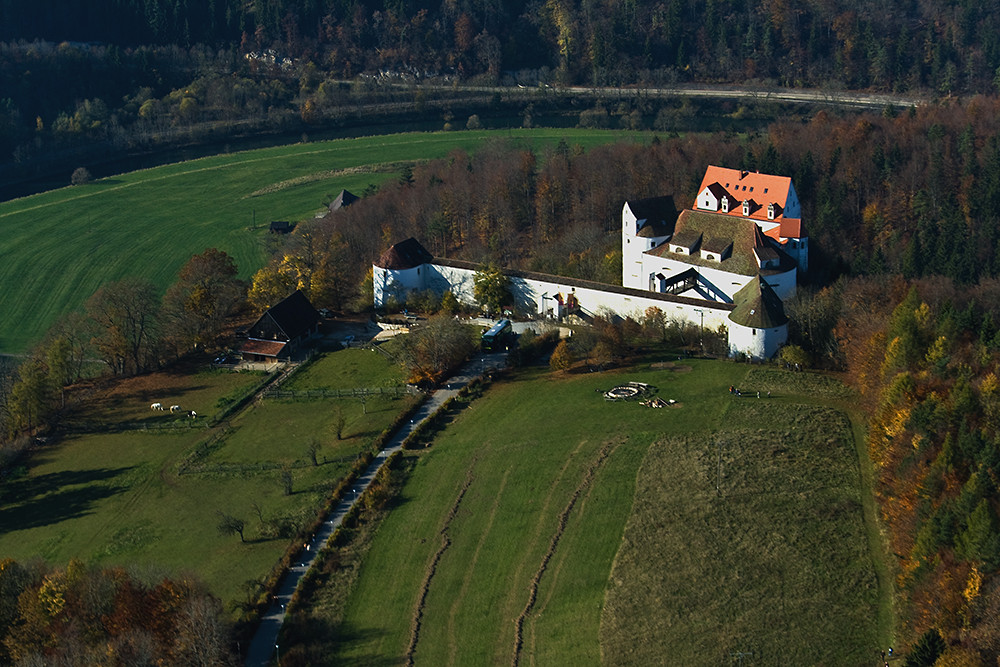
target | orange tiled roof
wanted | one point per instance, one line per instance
(759, 189)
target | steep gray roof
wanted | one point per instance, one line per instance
(758, 306)
(343, 200)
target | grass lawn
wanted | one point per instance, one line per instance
(147, 498)
(545, 525)
(60, 246)
(350, 368)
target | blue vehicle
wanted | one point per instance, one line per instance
(499, 337)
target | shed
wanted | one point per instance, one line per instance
(343, 200)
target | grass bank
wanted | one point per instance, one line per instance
(547, 525)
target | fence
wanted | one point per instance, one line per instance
(360, 392)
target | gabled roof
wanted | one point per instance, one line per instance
(743, 233)
(660, 213)
(286, 320)
(739, 186)
(343, 200)
(758, 306)
(404, 255)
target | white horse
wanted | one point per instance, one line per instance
(175, 408)
(156, 406)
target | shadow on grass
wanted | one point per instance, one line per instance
(45, 500)
(319, 638)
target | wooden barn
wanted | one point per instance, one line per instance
(281, 330)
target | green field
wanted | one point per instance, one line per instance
(60, 246)
(150, 498)
(612, 510)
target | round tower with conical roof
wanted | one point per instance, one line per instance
(758, 325)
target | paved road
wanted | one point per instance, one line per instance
(264, 645)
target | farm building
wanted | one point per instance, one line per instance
(281, 330)
(343, 200)
(728, 261)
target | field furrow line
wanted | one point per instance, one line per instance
(467, 579)
(418, 610)
(511, 601)
(588, 478)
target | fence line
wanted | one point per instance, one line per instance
(359, 392)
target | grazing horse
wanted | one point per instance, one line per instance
(175, 408)
(156, 406)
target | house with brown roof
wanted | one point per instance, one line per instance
(282, 330)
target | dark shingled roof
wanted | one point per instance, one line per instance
(406, 254)
(285, 321)
(343, 200)
(660, 213)
(686, 238)
(758, 306)
(744, 234)
(716, 245)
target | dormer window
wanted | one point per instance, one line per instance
(770, 211)
(725, 204)
(746, 207)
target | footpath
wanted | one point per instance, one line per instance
(264, 645)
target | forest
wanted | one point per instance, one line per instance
(167, 71)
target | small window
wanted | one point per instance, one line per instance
(751, 188)
(765, 190)
(711, 257)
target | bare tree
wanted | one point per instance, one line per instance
(230, 525)
(124, 320)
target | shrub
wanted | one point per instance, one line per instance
(81, 176)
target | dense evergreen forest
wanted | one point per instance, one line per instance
(124, 74)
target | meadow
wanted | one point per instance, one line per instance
(150, 498)
(61, 246)
(545, 525)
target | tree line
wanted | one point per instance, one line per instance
(166, 68)
(130, 329)
(85, 615)
(925, 356)
(915, 194)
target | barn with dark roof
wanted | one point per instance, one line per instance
(281, 330)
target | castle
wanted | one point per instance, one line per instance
(731, 259)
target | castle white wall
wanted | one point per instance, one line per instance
(756, 343)
(394, 283)
(792, 207)
(538, 296)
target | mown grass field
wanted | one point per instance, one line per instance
(609, 512)
(148, 498)
(60, 246)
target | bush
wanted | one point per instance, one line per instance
(80, 176)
